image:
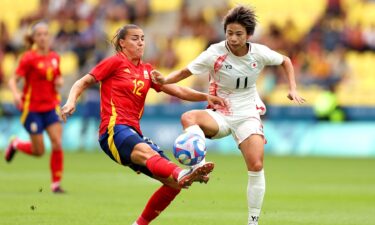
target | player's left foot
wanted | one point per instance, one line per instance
(10, 150)
(200, 173)
(58, 190)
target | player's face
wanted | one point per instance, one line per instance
(236, 37)
(133, 44)
(41, 36)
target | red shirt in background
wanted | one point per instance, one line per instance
(40, 71)
(123, 90)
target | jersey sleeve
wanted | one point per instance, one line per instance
(270, 57)
(202, 63)
(23, 65)
(104, 69)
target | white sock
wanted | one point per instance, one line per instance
(256, 188)
(195, 129)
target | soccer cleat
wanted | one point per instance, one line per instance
(204, 178)
(58, 190)
(10, 150)
(200, 173)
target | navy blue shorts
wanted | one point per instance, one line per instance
(37, 122)
(118, 143)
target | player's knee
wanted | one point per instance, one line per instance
(256, 166)
(38, 152)
(141, 153)
(188, 118)
(56, 144)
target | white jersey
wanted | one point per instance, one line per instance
(234, 78)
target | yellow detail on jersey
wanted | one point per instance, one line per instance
(26, 105)
(111, 132)
(138, 85)
(49, 74)
(140, 113)
(40, 65)
(100, 95)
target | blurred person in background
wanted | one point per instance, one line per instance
(39, 102)
(234, 66)
(124, 83)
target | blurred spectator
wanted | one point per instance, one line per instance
(353, 37)
(369, 37)
(168, 57)
(334, 8)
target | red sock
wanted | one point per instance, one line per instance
(23, 146)
(56, 164)
(157, 203)
(163, 168)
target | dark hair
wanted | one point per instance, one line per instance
(29, 37)
(241, 15)
(120, 34)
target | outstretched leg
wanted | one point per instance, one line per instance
(157, 203)
(35, 147)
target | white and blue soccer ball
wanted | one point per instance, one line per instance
(189, 149)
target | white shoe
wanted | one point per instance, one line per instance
(199, 173)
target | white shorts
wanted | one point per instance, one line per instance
(240, 127)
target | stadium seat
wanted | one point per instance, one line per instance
(9, 65)
(68, 63)
(162, 6)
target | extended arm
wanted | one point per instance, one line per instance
(12, 83)
(293, 94)
(173, 77)
(189, 94)
(78, 87)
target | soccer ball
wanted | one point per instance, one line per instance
(189, 149)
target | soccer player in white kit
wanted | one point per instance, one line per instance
(233, 66)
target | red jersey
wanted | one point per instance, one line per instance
(123, 90)
(40, 71)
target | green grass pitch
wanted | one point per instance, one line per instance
(300, 191)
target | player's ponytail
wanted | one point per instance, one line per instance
(29, 40)
(120, 34)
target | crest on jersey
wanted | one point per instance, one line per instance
(54, 63)
(145, 74)
(254, 65)
(40, 65)
(126, 70)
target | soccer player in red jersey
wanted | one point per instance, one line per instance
(39, 70)
(124, 83)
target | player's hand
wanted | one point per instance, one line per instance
(17, 100)
(59, 81)
(294, 96)
(67, 110)
(157, 77)
(216, 102)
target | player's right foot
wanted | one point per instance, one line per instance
(10, 150)
(200, 173)
(204, 178)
